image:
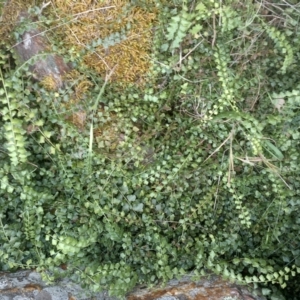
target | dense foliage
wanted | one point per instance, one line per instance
(196, 169)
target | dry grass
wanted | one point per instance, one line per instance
(93, 20)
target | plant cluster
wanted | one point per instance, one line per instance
(196, 170)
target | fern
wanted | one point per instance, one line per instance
(15, 136)
(179, 27)
(281, 42)
(227, 97)
(14, 133)
(111, 40)
(230, 19)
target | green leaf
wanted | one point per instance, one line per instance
(283, 285)
(131, 198)
(139, 207)
(270, 277)
(273, 150)
(262, 278)
(265, 291)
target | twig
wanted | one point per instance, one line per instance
(92, 10)
(230, 135)
(182, 58)
(214, 30)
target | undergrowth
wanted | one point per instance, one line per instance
(194, 168)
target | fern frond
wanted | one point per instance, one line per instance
(281, 43)
(178, 28)
(15, 136)
(13, 130)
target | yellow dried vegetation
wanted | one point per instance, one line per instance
(79, 82)
(9, 17)
(49, 83)
(93, 20)
(80, 85)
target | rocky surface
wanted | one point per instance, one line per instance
(33, 48)
(212, 288)
(26, 285)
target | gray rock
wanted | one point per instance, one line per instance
(28, 285)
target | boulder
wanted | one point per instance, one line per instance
(25, 285)
(33, 48)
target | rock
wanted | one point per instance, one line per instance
(28, 285)
(33, 48)
(208, 288)
(25, 285)
(43, 295)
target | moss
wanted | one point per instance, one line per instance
(49, 83)
(9, 17)
(91, 21)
